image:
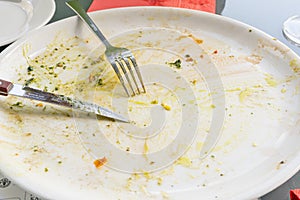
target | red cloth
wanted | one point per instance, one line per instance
(295, 194)
(204, 5)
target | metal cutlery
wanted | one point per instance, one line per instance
(8, 88)
(117, 56)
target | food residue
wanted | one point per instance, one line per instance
(166, 107)
(100, 162)
(244, 94)
(146, 147)
(283, 90)
(154, 101)
(197, 40)
(184, 161)
(280, 164)
(176, 64)
(270, 80)
(294, 65)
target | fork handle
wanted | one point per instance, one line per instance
(77, 8)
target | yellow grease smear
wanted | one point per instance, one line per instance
(199, 146)
(244, 94)
(270, 80)
(283, 90)
(139, 102)
(147, 175)
(184, 161)
(233, 90)
(146, 147)
(294, 65)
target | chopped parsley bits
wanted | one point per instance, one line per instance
(18, 104)
(29, 69)
(100, 82)
(176, 64)
(29, 81)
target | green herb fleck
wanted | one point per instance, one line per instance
(100, 82)
(176, 64)
(29, 69)
(29, 81)
(18, 104)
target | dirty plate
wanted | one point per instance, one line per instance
(20, 16)
(220, 119)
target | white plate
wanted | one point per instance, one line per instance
(20, 16)
(238, 87)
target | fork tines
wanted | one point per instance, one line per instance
(129, 64)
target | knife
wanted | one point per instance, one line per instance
(8, 88)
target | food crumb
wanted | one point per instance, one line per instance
(28, 134)
(159, 181)
(166, 107)
(254, 144)
(154, 102)
(280, 164)
(188, 58)
(100, 162)
(176, 64)
(194, 82)
(39, 105)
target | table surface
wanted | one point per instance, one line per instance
(266, 15)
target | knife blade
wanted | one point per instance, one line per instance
(8, 88)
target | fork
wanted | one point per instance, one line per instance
(117, 56)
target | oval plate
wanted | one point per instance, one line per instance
(234, 93)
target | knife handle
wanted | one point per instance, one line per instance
(5, 87)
